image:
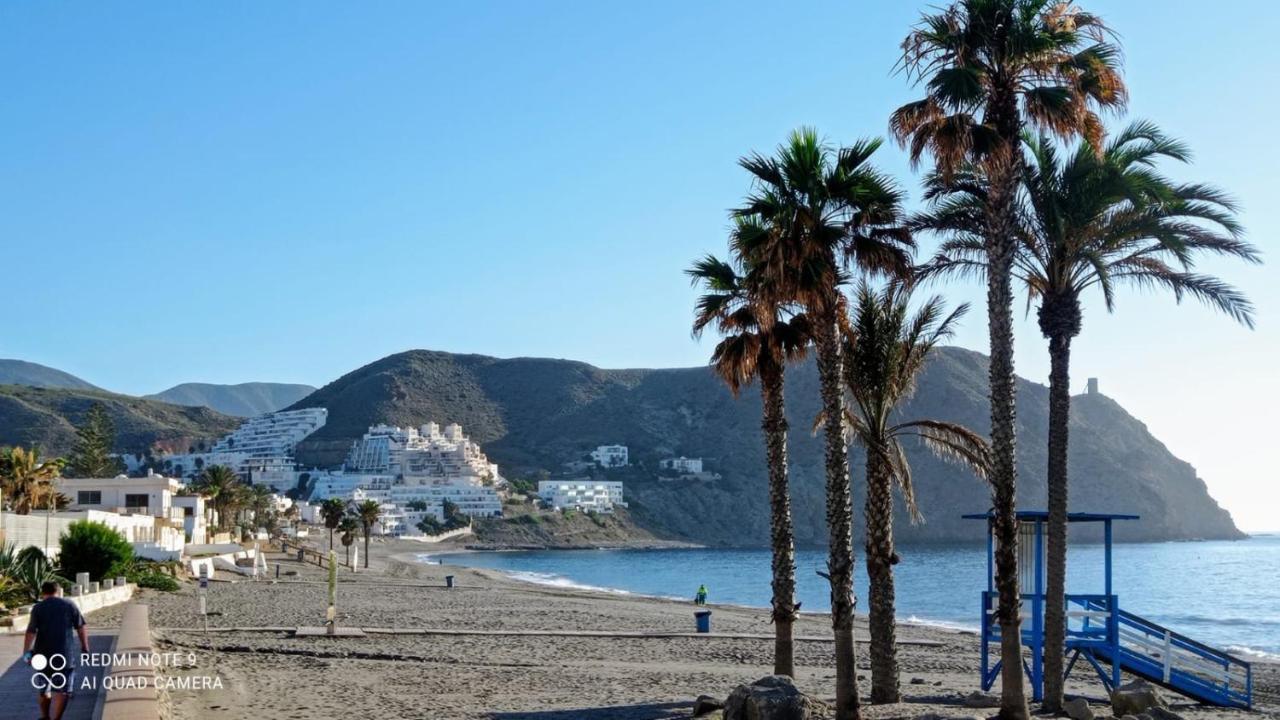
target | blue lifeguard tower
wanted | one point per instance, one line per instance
(1111, 640)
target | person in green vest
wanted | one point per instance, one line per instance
(701, 597)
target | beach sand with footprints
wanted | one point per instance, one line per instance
(493, 647)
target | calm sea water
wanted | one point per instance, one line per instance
(1225, 594)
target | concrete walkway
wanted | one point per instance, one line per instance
(18, 697)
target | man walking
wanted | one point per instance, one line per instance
(49, 648)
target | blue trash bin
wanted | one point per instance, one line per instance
(703, 618)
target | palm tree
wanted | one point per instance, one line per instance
(886, 348)
(26, 481)
(819, 209)
(332, 510)
(1091, 220)
(368, 511)
(224, 489)
(348, 526)
(760, 337)
(991, 68)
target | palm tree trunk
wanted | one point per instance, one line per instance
(878, 515)
(839, 519)
(1001, 247)
(781, 535)
(1060, 321)
(366, 548)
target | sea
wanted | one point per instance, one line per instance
(1221, 593)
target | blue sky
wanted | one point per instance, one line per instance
(284, 191)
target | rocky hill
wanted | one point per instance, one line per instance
(534, 414)
(21, 372)
(242, 400)
(48, 417)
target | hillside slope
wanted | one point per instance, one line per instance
(242, 400)
(21, 372)
(48, 418)
(535, 413)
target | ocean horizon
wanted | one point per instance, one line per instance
(941, 585)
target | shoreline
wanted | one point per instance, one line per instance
(1239, 650)
(497, 648)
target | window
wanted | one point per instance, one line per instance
(137, 500)
(89, 497)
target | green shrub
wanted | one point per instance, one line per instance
(155, 581)
(94, 548)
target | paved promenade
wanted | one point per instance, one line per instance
(18, 697)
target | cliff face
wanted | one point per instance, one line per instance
(537, 414)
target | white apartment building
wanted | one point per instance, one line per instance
(421, 452)
(473, 500)
(262, 445)
(610, 455)
(583, 494)
(682, 464)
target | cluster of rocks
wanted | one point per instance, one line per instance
(776, 697)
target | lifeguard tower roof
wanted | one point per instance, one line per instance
(1044, 515)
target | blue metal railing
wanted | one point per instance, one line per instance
(1154, 652)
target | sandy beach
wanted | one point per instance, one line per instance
(502, 649)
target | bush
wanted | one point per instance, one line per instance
(155, 581)
(94, 548)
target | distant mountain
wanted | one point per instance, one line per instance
(21, 372)
(243, 400)
(48, 417)
(537, 414)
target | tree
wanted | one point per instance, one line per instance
(368, 511)
(761, 336)
(348, 525)
(225, 491)
(26, 482)
(332, 510)
(94, 548)
(1090, 220)
(992, 68)
(91, 456)
(886, 347)
(819, 210)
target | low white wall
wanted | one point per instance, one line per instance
(87, 604)
(459, 532)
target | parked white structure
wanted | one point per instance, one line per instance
(262, 446)
(583, 494)
(682, 464)
(610, 456)
(422, 452)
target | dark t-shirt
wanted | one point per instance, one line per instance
(54, 621)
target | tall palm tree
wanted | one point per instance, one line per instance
(27, 481)
(819, 210)
(991, 68)
(368, 511)
(1090, 220)
(348, 526)
(761, 336)
(224, 489)
(332, 510)
(886, 347)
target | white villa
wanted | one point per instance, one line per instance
(148, 511)
(610, 456)
(682, 464)
(261, 450)
(583, 494)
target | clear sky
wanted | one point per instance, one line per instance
(284, 191)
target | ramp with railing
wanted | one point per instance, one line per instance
(1151, 651)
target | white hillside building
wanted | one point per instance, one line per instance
(682, 464)
(262, 446)
(423, 453)
(610, 456)
(584, 494)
